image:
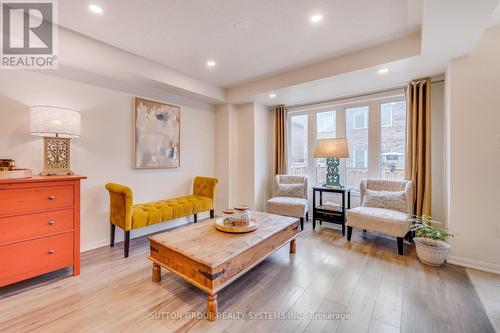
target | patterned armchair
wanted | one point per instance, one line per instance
(290, 197)
(385, 207)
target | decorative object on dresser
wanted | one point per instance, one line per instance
(211, 260)
(124, 214)
(57, 126)
(8, 170)
(290, 197)
(39, 226)
(386, 206)
(332, 149)
(157, 134)
(328, 212)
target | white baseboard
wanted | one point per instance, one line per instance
(140, 232)
(475, 264)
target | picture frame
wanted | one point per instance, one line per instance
(156, 134)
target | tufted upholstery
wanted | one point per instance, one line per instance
(128, 216)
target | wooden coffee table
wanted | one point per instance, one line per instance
(210, 259)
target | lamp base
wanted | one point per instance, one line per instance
(332, 172)
(56, 157)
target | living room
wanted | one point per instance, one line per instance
(246, 166)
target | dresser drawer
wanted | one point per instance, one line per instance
(25, 227)
(23, 200)
(52, 253)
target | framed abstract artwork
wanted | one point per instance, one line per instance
(157, 134)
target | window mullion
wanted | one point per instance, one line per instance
(374, 140)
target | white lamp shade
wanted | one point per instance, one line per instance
(53, 121)
(326, 148)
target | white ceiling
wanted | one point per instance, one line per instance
(248, 39)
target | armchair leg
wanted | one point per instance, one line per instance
(400, 245)
(301, 223)
(195, 218)
(307, 216)
(127, 244)
(112, 241)
(212, 213)
(349, 233)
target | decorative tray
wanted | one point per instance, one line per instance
(219, 225)
(16, 173)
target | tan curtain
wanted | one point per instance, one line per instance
(418, 143)
(280, 164)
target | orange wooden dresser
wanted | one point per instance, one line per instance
(39, 226)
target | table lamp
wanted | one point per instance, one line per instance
(57, 126)
(332, 150)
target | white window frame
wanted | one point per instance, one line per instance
(365, 156)
(390, 117)
(373, 101)
(365, 120)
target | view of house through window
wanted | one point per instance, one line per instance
(298, 145)
(393, 140)
(381, 118)
(356, 127)
(326, 124)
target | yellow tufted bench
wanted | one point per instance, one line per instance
(124, 214)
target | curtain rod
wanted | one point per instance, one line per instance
(305, 105)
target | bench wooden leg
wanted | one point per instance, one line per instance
(349, 233)
(212, 213)
(112, 241)
(293, 246)
(400, 245)
(127, 244)
(156, 273)
(212, 307)
(195, 218)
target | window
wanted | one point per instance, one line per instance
(393, 140)
(360, 118)
(357, 139)
(326, 124)
(298, 145)
(375, 128)
(360, 158)
(385, 116)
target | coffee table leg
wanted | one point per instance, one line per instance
(212, 307)
(156, 273)
(293, 246)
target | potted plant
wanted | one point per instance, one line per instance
(430, 241)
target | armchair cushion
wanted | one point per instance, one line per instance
(382, 220)
(290, 190)
(288, 206)
(395, 200)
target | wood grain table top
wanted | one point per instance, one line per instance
(203, 243)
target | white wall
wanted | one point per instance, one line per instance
(104, 151)
(473, 145)
(263, 164)
(437, 151)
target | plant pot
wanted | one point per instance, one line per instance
(431, 252)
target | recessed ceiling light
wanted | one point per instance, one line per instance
(95, 8)
(272, 95)
(383, 70)
(316, 18)
(211, 63)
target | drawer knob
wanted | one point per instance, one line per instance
(52, 222)
(52, 251)
(52, 197)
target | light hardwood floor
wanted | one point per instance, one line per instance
(487, 286)
(379, 291)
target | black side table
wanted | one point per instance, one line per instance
(328, 215)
